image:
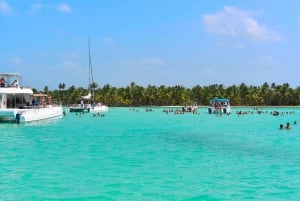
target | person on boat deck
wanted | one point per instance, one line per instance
(15, 83)
(49, 99)
(34, 102)
(2, 82)
(81, 103)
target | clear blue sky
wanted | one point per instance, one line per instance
(157, 42)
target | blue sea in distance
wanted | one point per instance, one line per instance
(153, 156)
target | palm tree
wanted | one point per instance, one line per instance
(178, 95)
(266, 93)
(46, 89)
(284, 94)
(243, 91)
(93, 86)
(197, 93)
(61, 88)
(150, 92)
(234, 95)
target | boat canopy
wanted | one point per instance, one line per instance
(10, 74)
(218, 100)
(9, 77)
(40, 95)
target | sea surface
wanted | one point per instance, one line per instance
(131, 154)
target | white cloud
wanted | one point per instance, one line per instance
(65, 8)
(238, 24)
(4, 7)
(37, 7)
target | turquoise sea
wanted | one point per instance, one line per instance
(153, 156)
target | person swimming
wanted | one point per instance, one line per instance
(281, 127)
(288, 126)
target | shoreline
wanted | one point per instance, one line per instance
(205, 106)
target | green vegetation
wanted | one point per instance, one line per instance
(135, 95)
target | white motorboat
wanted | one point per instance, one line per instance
(97, 108)
(192, 108)
(19, 104)
(219, 105)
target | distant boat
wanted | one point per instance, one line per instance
(87, 103)
(192, 108)
(219, 105)
(19, 104)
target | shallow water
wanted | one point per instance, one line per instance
(130, 155)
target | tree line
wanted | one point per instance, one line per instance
(135, 95)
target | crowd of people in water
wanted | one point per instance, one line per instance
(274, 113)
(258, 111)
(182, 110)
(175, 110)
(98, 114)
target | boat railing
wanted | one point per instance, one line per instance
(55, 102)
(29, 107)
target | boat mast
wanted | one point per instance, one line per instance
(91, 79)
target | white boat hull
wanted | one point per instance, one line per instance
(98, 109)
(214, 110)
(219, 106)
(88, 109)
(29, 115)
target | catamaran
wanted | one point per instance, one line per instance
(19, 104)
(87, 103)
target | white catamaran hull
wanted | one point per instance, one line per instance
(29, 115)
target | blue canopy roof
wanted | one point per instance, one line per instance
(219, 100)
